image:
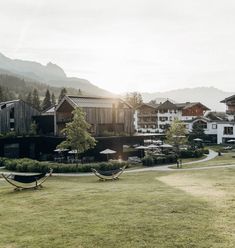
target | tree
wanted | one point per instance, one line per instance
(77, 136)
(29, 99)
(47, 101)
(53, 100)
(134, 99)
(1, 94)
(176, 135)
(197, 132)
(36, 101)
(63, 92)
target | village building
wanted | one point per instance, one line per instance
(16, 116)
(105, 115)
(156, 118)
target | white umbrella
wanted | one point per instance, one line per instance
(197, 139)
(73, 152)
(166, 146)
(231, 141)
(152, 146)
(141, 147)
(157, 141)
(107, 152)
(61, 150)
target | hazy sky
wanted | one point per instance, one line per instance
(126, 45)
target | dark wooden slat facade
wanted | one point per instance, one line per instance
(118, 119)
(16, 116)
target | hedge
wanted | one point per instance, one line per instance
(193, 153)
(29, 165)
(159, 160)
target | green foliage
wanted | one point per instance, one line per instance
(134, 99)
(30, 165)
(33, 129)
(53, 99)
(152, 160)
(148, 161)
(176, 135)
(63, 92)
(47, 100)
(77, 136)
(35, 100)
(193, 153)
(197, 132)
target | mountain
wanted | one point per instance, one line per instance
(50, 74)
(209, 96)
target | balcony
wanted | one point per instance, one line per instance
(147, 115)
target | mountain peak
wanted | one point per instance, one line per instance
(55, 69)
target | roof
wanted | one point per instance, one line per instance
(92, 101)
(187, 105)
(8, 103)
(151, 105)
(228, 99)
(167, 105)
(217, 116)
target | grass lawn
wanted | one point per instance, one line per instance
(225, 159)
(152, 209)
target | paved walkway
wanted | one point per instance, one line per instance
(168, 168)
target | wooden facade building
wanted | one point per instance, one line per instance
(105, 115)
(16, 116)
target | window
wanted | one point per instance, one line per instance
(214, 126)
(12, 113)
(228, 130)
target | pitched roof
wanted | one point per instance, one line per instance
(151, 105)
(167, 105)
(93, 101)
(217, 116)
(228, 99)
(187, 105)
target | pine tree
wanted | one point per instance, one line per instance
(1, 94)
(78, 137)
(63, 92)
(36, 101)
(53, 100)
(47, 101)
(29, 99)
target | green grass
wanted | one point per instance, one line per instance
(226, 159)
(151, 209)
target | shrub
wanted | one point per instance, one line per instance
(29, 165)
(148, 161)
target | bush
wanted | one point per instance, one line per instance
(30, 165)
(193, 153)
(148, 161)
(159, 160)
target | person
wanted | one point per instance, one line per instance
(177, 162)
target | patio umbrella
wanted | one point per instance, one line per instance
(166, 146)
(231, 141)
(152, 146)
(61, 150)
(197, 139)
(141, 148)
(73, 152)
(107, 152)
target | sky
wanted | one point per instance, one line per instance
(126, 45)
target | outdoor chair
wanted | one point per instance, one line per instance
(109, 175)
(21, 182)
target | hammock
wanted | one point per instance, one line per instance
(108, 175)
(27, 179)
